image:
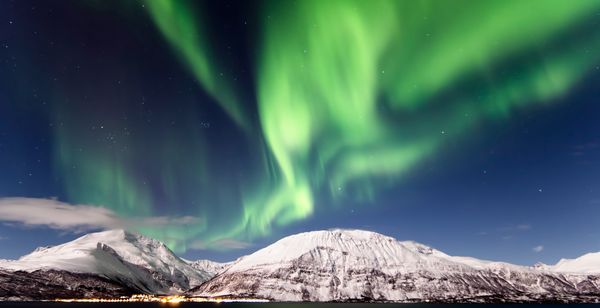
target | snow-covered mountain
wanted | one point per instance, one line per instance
(342, 265)
(135, 261)
(333, 265)
(211, 267)
(586, 264)
(52, 284)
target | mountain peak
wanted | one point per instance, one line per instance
(587, 263)
(115, 234)
(336, 234)
(364, 247)
(145, 262)
(326, 265)
(347, 265)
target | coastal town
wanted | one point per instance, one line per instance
(173, 299)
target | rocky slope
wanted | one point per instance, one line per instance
(348, 265)
(128, 259)
(208, 266)
(334, 265)
(53, 284)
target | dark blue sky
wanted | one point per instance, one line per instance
(98, 78)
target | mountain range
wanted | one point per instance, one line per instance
(331, 265)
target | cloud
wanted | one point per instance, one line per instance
(221, 244)
(166, 221)
(51, 213)
(585, 148)
(56, 215)
(523, 227)
(3, 237)
(538, 248)
(232, 244)
(519, 227)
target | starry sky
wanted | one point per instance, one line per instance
(218, 127)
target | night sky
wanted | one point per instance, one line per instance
(218, 127)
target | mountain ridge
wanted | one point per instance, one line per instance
(326, 265)
(356, 265)
(137, 261)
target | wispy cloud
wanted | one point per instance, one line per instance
(54, 214)
(584, 148)
(508, 232)
(35, 212)
(538, 248)
(224, 244)
(585, 153)
(518, 227)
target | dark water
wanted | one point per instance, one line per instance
(279, 305)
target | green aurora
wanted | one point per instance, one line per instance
(349, 95)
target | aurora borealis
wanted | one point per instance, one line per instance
(252, 117)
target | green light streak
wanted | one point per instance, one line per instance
(329, 68)
(350, 94)
(177, 23)
(138, 173)
(94, 178)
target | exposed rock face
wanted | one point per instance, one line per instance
(342, 265)
(53, 284)
(210, 267)
(136, 261)
(335, 265)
